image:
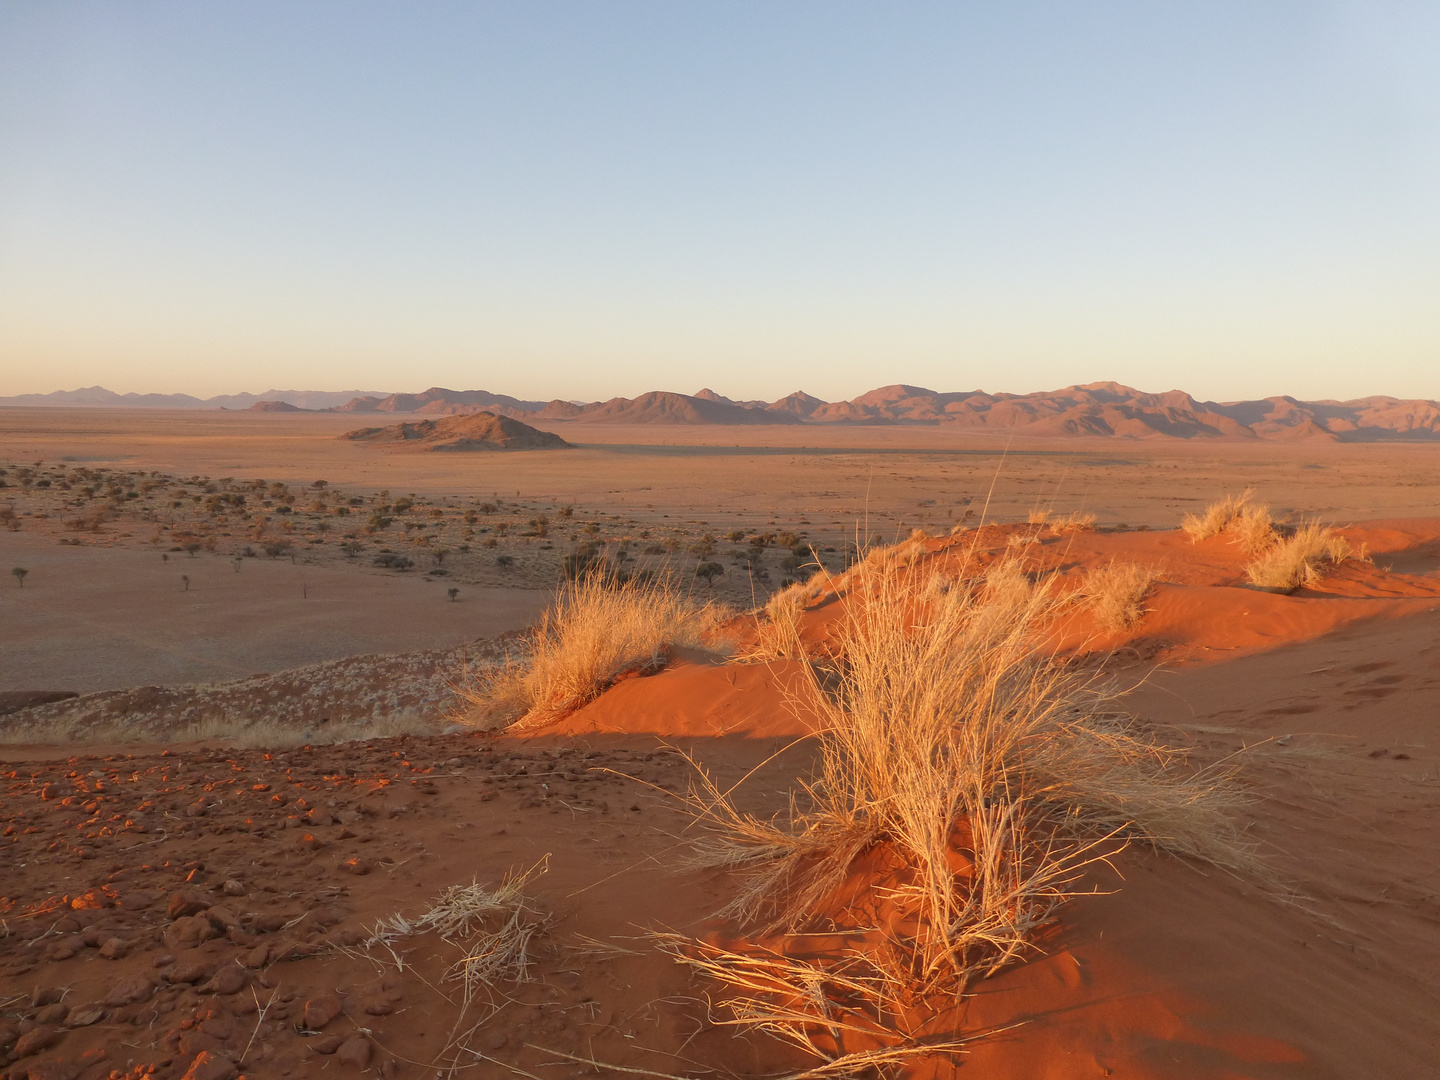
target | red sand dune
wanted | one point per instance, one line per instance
(1327, 696)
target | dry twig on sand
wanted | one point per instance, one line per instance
(492, 928)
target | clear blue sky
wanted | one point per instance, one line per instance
(585, 199)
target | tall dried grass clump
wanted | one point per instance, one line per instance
(1295, 561)
(1253, 529)
(991, 773)
(1218, 516)
(777, 630)
(1116, 594)
(596, 629)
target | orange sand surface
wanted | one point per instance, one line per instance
(201, 907)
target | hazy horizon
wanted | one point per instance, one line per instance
(501, 391)
(600, 200)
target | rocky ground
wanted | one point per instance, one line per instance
(206, 912)
(357, 697)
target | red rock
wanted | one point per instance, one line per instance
(210, 1066)
(114, 949)
(63, 949)
(256, 957)
(378, 1006)
(355, 865)
(85, 1015)
(354, 1051)
(53, 1014)
(35, 1040)
(324, 1044)
(129, 990)
(48, 1070)
(187, 971)
(233, 888)
(138, 900)
(230, 979)
(187, 902)
(319, 1011)
(45, 995)
(221, 918)
(188, 931)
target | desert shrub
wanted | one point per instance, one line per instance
(981, 772)
(709, 571)
(1295, 561)
(390, 560)
(1218, 516)
(1038, 517)
(595, 629)
(1116, 594)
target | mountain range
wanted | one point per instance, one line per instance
(1101, 409)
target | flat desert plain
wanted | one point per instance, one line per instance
(221, 860)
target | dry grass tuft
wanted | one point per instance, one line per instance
(596, 629)
(1218, 516)
(1073, 523)
(777, 633)
(988, 773)
(1007, 583)
(1295, 561)
(1253, 529)
(1116, 594)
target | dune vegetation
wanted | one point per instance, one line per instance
(980, 772)
(1296, 561)
(597, 628)
(1116, 594)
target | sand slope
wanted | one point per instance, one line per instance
(1329, 971)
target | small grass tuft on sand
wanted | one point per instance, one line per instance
(1078, 521)
(1296, 561)
(1218, 516)
(597, 629)
(1116, 594)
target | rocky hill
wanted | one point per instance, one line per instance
(1099, 409)
(474, 431)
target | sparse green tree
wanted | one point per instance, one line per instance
(19, 573)
(709, 571)
(452, 592)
